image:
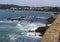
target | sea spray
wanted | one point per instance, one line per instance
(11, 31)
(17, 31)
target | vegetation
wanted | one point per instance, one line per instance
(28, 8)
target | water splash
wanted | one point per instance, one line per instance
(29, 26)
(18, 32)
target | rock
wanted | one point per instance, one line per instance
(41, 30)
(31, 31)
(12, 19)
(50, 20)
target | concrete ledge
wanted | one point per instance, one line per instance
(50, 36)
(52, 33)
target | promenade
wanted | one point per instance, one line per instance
(52, 33)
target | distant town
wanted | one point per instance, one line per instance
(28, 8)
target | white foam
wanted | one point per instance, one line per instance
(29, 26)
(33, 34)
(19, 24)
(1, 21)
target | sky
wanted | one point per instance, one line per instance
(32, 3)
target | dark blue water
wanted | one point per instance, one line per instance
(17, 31)
(11, 14)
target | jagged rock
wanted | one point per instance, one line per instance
(14, 19)
(31, 31)
(41, 30)
(50, 20)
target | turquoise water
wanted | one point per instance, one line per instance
(17, 31)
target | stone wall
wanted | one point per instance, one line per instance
(52, 33)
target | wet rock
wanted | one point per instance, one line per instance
(41, 30)
(12, 19)
(50, 20)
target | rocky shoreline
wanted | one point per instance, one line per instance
(39, 29)
(52, 33)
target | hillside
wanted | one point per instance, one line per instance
(28, 8)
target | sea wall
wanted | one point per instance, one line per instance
(52, 33)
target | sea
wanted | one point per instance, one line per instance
(17, 31)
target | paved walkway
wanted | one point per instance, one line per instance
(52, 34)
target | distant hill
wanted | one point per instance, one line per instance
(6, 6)
(28, 8)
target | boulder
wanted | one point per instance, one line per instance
(41, 30)
(50, 20)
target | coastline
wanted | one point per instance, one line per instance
(39, 29)
(52, 33)
(31, 11)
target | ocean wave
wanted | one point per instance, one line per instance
(8, 21)
(1, 21)
(28, 39)
(18, 31)
(29, 26)
(33, 34)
